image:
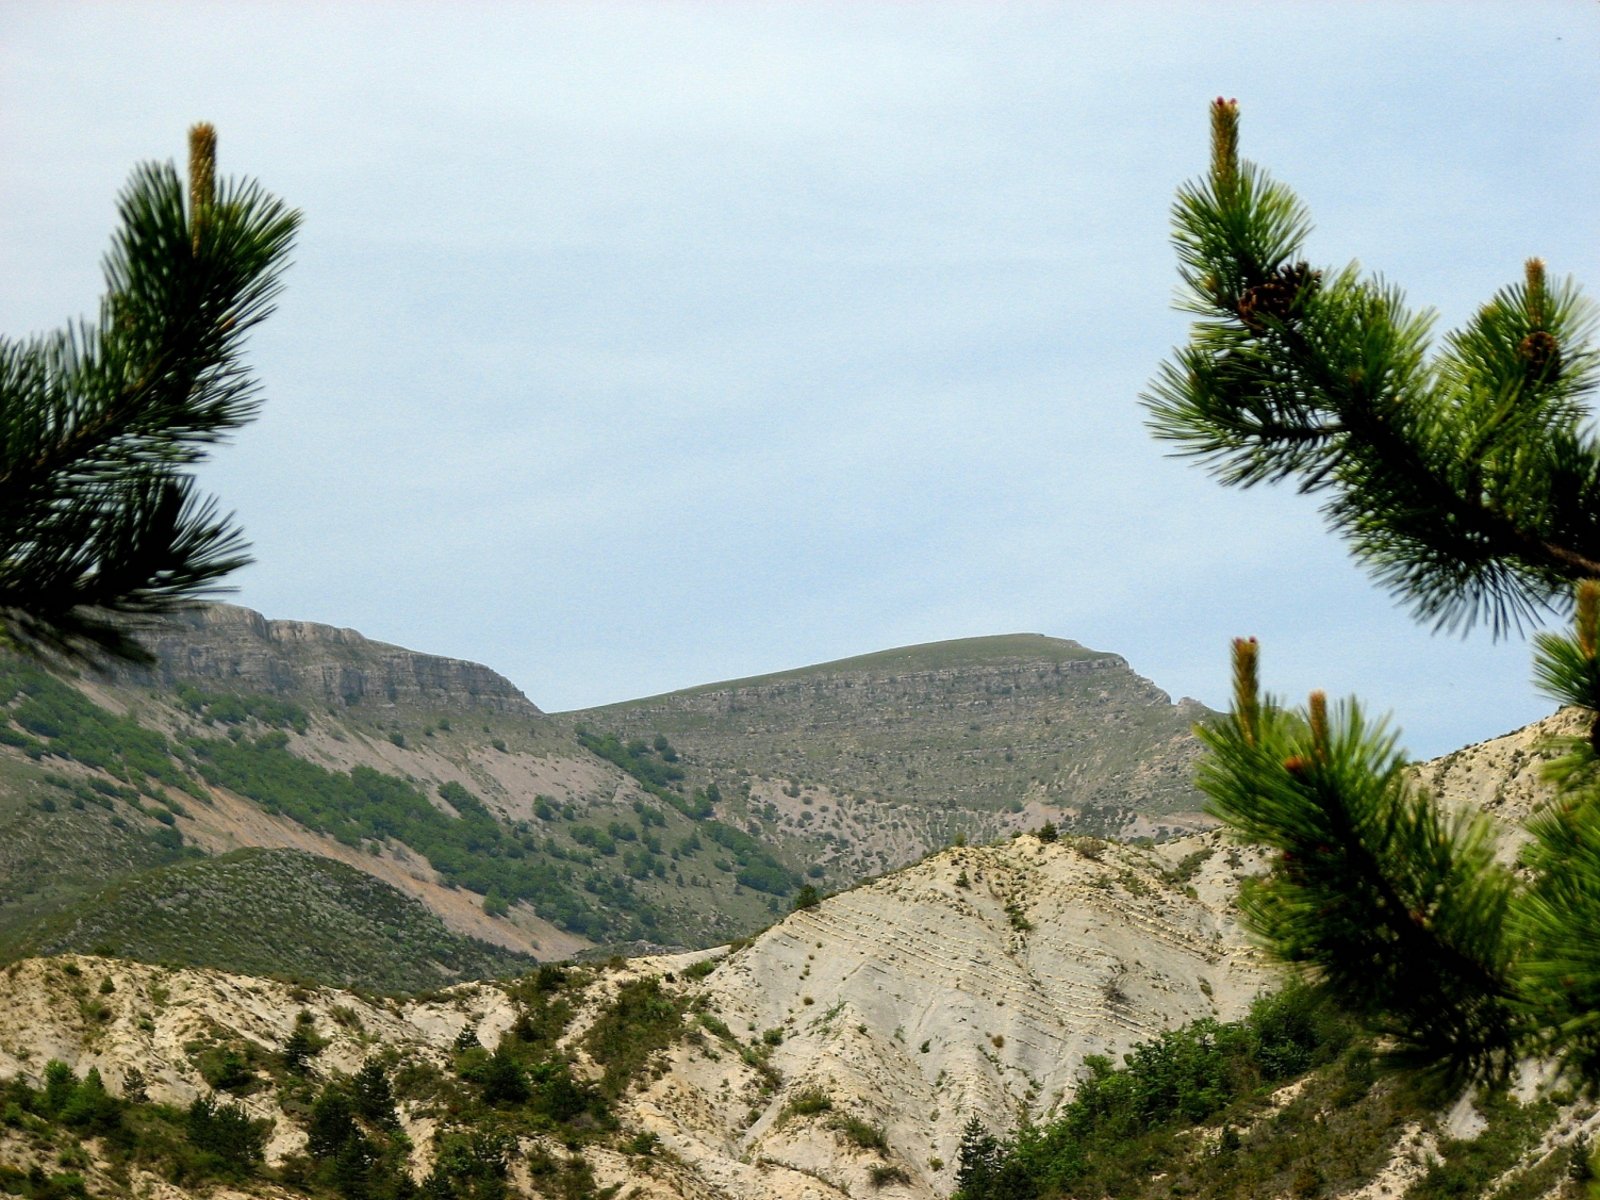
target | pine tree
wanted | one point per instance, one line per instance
(100, 525)
(1465, 479)
(374, 1098)
(978, 1160)
(332, 1122)
(300, 1047)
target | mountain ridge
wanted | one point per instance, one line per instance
(916, 657)
(968, 731)
(438, 778)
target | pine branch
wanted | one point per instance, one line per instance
(1468, 480)
(1462, 480)
(1399, 914)
(1558, 919)
(97, 522)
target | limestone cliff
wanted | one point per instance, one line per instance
(239, 649)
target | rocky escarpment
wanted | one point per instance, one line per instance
(238, 649)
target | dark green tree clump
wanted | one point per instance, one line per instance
(100, 524)
(1468, 480)
(1122, 1118)
(210, 1140)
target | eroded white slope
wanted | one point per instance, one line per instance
(971, 984)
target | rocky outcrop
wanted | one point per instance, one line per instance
(237, 649)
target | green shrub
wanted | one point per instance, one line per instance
(860, 1133)
(373, 1096)
(226, 1131)
(302, 1044)
(226, 1069)
(644, 1144)
(503, 1081)
(332, 1122)
(808, 1102)
(639, 1022)
(1092, 848)
(1189, 865)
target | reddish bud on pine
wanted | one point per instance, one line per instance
(1540, 352)
(202, 177)
(1224, 143)
(1319, 725)
(1246, 688)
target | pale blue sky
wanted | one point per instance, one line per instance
(630, 347)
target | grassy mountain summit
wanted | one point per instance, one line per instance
(939, 740)
(923, 656)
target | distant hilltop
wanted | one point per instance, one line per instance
(974, 725)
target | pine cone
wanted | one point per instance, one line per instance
(1280, 298)
(1540, 353)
